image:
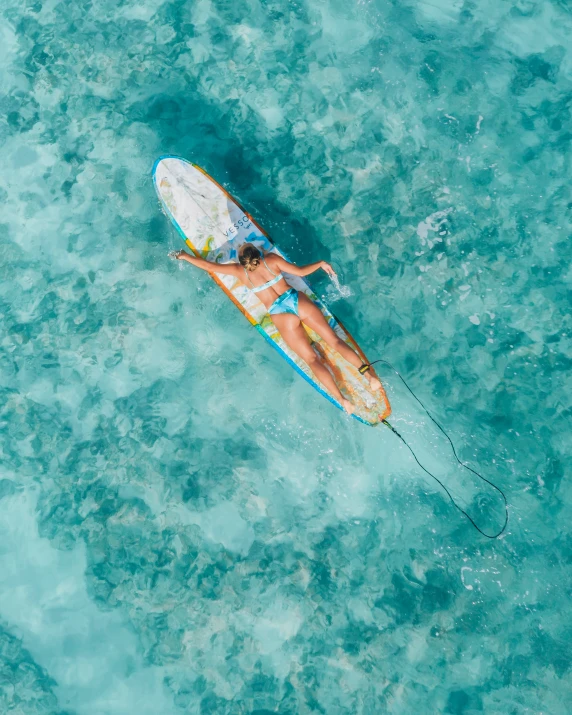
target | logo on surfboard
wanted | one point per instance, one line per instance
(243, 222)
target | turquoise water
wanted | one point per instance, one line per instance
(185, 525)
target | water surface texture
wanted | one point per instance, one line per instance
(185, 525)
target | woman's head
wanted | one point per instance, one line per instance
(249, 256)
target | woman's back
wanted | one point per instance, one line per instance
(268, 284)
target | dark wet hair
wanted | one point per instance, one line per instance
(249, 257)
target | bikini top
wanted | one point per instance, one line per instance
(268, 284)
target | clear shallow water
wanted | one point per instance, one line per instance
(186, 526)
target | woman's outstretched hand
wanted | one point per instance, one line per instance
(178, 255)
(329, 270)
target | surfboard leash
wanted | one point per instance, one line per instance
(465, 466)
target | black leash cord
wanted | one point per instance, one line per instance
(465, 466)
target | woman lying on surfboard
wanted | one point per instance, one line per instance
(262, 274)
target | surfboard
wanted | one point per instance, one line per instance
(214, 226)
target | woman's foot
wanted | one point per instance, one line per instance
(348, 407)
(374, 383)
(365, 369)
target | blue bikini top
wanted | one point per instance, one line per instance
(268, 284)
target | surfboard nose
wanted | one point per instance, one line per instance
(166, 161)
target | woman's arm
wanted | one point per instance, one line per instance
(295, 270)
(230, 269)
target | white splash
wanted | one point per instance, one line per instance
(434, 223)
(344, 291)
(466, 585)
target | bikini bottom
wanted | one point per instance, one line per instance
(285, 303)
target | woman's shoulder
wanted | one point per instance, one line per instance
(271, 258)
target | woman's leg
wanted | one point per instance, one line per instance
(314, 318)
(296, 338)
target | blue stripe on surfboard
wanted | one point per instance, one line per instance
(257, 325)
